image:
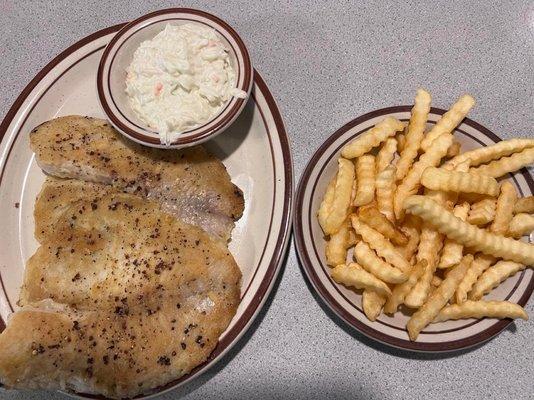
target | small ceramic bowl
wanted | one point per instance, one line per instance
(111, 76)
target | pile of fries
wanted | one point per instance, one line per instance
(412, 221)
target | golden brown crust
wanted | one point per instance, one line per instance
(190, 183)
(120, 296)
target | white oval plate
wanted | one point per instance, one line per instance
(255, 151)
(439, 337)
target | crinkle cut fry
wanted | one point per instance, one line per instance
(412, 181)
(452, 252)
(488, 153)
(335, 206)
(438, 299)
(372, 137)
(482, 212)
(521, 224)
(471, 236)
(416, 131)
(380, 244)
(337, 245)
(385, 190)
(481, 263)
(354, 275)
(506, 165)
(400, 291)
(365, 180)
(429, 247)
(386, 154)
(482, 309)
(370, 261)
(494, 276)
(450, 120)
(372, 304)
(524, 205)
(454, 181)
(504, 209)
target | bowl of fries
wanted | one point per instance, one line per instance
(413, 224)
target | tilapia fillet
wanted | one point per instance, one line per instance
(119, 298)
(189, 184)
(57, 195)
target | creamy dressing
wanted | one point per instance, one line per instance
(180, 79)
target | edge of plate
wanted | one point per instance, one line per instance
(347, 317)
(282, 242)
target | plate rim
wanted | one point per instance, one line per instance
(266, 285)
(312, 277)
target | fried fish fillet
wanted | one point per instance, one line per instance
(119, 298)
(190, 184)
(57, 195)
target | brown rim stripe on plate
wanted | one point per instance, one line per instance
(324, 292)
(228, 117)
(285, 225)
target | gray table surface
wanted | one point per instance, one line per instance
(326, 63)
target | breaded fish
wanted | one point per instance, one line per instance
(190, 184)
(119, 298)
(57, 195)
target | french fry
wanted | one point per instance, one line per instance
(368, 259)
(429, 247)
(372, 138)
(482, 212)
(439, 298)
(460, 167)
(353, 238)
(336, 247)
(380, 244)
(400, 291)
(378, 221)
(436, 281)
(451, 198)
(338, 210)
(452, 252)
(478, 239)
(454, 181)
(482, 309)
(506, 165)
(355, 276)
(326, 204)
(385, 190)
(481, 263)
(401, 142)
(473, 198)
(365, 180)
(493, 276)
(372, 304)
(416, 131)
(486, 154)
(412, 181)
(521, 224)
(354, 189)
(411, 229)
(524, 205)
(450, 120)
(454, 150)
(386, 154)
(504, 209)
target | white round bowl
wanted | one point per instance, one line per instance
(111, 76)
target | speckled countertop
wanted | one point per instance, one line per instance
(326, 63)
